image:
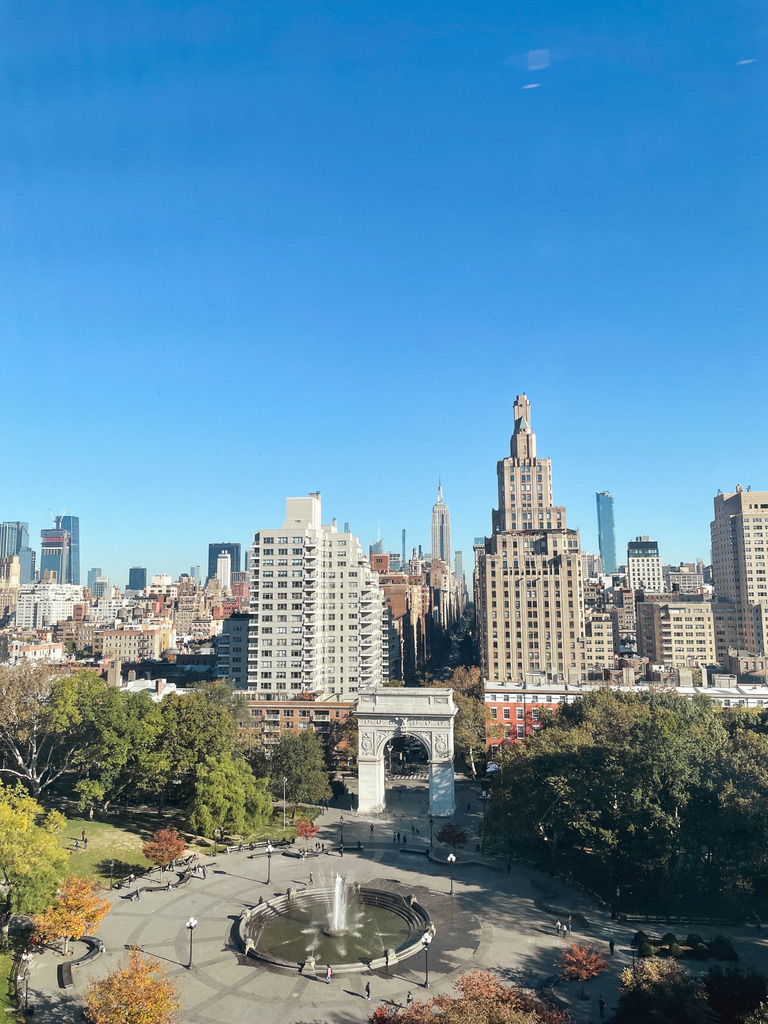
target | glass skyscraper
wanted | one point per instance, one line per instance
(606, 531)
(214, 550)
(137, 578)
(13, 537)
(72, 525)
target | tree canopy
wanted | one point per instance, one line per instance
(32, 863)
(299, 758)
(136, 993)
(664, 791)
(78, 910)
(228, 798)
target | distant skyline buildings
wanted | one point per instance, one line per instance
(214, 550)
(606, 531)
(137, 578)
(72, 525)
(54, 553)
(13, 537)
(93, 575)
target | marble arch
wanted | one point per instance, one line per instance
(424, 713)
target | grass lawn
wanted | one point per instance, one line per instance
(121, 837)
(6, 964)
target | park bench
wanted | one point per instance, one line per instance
(64, 971)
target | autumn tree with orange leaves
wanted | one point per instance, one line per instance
(482, 999)
(164, 846)
(582, 963)
(306, 829)
(139, 993)
(78, 910)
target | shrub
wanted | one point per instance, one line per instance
(668, 938)
(700, 951)
(675, 951)
(646, 949)
(722, 948)
(693, 939)
(637, 938)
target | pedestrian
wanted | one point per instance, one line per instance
(82, 835)
(612, 947)
(169, 887)
(367, 990)
(386, 959)
(558, 927)
(341, 851)
(85, 842)
(568, 925)
(413, 830)
(311, 879)
(394, 837)
(328, 974)
(409, 998)
(398, 837)
(77, 844)
(405, 840)
(601, 1005)
(371, 829)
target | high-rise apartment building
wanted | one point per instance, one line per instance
(739, 545)
(316, 609)
(606, 531)
(676, 633)
(137, 577)
(13, 537)
(194, 572)
(458, 565)
(530, 605)
(644, 566)
(72, 525)
(214, 550)
(441, 529)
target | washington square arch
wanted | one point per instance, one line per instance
(426, 714)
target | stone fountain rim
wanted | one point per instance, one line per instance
(408, 908)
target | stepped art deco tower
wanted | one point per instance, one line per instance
(441, 529)
(530, 613)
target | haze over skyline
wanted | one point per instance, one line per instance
(252, 251)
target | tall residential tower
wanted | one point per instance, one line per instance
(530, 605)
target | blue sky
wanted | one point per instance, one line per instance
(250, 250)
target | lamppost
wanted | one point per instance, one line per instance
(191, 925)
(426, 940)
(270, 848)
(451, 861)
(431, 823)
(216, 832)
(285, 781)
(341, 830)
(111, 871)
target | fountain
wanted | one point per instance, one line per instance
(339, 903)
(352, 927)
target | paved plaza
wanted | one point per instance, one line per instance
(497, 920)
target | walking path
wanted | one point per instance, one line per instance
(497, 920)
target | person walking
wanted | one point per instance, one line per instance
(371, 829)
(367, 990)
(82, 835)
(409, 998)
(558, 927)
(568, 925)
(311, 879)
(601, 1007)
(394, 837)
(398, 837)
(612, 947)
(328, 974)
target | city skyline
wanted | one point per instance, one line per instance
(324, 193)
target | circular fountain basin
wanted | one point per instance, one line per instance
(291, 932)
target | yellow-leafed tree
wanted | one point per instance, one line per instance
(78, 910)
(136, 993)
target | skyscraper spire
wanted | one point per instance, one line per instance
(441, 527)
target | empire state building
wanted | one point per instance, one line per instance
(441, 529)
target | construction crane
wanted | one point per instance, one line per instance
(56, 519)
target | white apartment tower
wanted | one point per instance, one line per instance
(739, 565)
(441, 529)
(644, 566)
(224, 570)
(316, 610)
(530, 605)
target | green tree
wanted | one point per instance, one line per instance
(227, 797)
(300, 758)
(32, 863)
(48, 721)
(351, 736)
